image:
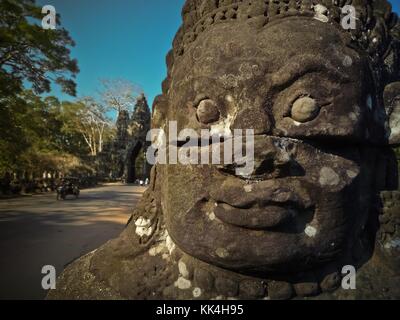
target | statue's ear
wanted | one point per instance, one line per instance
(160, 109)
(392, 106)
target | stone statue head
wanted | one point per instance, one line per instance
(323, 102)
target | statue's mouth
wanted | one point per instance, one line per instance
(265, 208)
(256, 217)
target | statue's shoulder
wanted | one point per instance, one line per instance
(77, 282)
(139, 264)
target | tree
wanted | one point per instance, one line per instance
(31, 132)
(119, 94)
(12, 136)
(33, 137)
(28, 53)
(89, 118)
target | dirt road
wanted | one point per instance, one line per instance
(37, 231)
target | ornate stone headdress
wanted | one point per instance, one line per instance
(377, 28)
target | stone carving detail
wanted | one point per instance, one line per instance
(323, 104)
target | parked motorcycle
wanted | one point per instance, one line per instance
(68, 187)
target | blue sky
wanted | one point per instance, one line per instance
(126, 39)
(395, 5)
(122, 39)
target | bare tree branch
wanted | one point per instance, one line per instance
(119, 94)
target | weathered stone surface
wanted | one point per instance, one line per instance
(392, 105)
(322, 152)
(278, 290)
(305, 109)
(203, 279)
(207, 111)
(331, 282)
(306, 289)
(226, 287)
(251, 289)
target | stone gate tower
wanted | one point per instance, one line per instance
(130, 143)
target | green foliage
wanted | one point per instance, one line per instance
(43, 134)
(33, 135)
(30, 53)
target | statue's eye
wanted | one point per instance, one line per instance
(207, 111)
(305, 109)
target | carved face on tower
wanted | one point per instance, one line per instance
(318, 125)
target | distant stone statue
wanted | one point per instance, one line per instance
(324, 104)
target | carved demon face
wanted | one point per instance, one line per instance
(306, 94)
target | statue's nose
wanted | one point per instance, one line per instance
(273, 157)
